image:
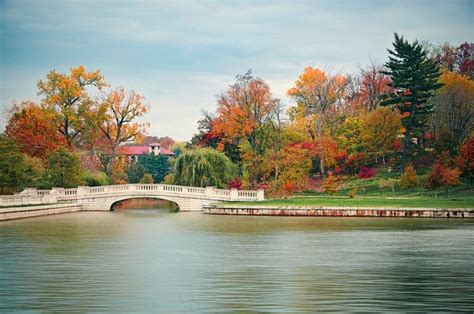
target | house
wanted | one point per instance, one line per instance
(132, 152)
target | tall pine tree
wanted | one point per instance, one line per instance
(414, 79)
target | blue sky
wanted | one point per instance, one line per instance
(181, 54)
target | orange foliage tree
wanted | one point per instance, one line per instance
(316, 92)
(33, 130)
(68, 97)
(440, 176)
(242, 116)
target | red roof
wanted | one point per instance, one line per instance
(166, 152)
(135, 150)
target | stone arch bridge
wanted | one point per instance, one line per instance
(103, 197)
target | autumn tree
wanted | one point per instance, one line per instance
(453, 117)
(380, 128)
(455, 59)
(117, 123)
(373, 84)
(243, 113)
(68, 97)
(316, 92)
(414, 80)
(441, 176)
(409, 180)
(33, 130)
(465, 160)
(330, 184)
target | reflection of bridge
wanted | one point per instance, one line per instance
(103, 197)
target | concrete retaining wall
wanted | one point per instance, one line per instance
(10, 213)
(340, 211)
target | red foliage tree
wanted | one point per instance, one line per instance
(33, 129)
(465, 159)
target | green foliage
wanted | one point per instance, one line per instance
(352, 193)
(95, 179)
(135, 172)
(64, 169)
(388, 183)
(156, 165)
(17, 170)
(204, 167)
(146, 179)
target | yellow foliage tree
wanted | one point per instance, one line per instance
(380, 128)
(68, 97)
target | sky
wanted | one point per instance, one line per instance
(180, 54)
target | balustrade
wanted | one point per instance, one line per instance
(33, 196)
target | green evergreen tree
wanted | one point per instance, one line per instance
(156, 165)
(135, 172)
(414, 79)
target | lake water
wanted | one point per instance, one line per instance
(156, 261)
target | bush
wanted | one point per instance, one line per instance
(147, 179)
(235, 183)
(352, 193)
(95, 179)
(366, 172)
(409, 180)
(388, 183)
(330, 184)
(168, 179)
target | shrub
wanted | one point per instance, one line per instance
(408, 180)
(366, 172)
(146, 179)
(388, 183)
(168, 179)
(440, 176)
(95, 179)
(235, 183)
(352, 193)
(330, 184)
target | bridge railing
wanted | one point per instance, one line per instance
(34, 196)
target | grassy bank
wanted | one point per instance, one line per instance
(370, 201)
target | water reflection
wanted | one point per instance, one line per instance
(150, 260)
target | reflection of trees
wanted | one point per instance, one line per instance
(144, 203)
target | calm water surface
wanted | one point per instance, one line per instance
(155, 261)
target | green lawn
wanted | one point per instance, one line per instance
(430, 202)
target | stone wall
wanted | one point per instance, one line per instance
(10, 213)
(339, 211)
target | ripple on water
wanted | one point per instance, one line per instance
(144, 261)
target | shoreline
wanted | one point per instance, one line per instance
(21, 212)
(330, 211)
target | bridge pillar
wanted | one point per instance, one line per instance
(209, 192)
(260, 195)
(234, 194)
(81, 191)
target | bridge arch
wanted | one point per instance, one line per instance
(116, 200)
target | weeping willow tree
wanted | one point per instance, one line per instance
(204, 167)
